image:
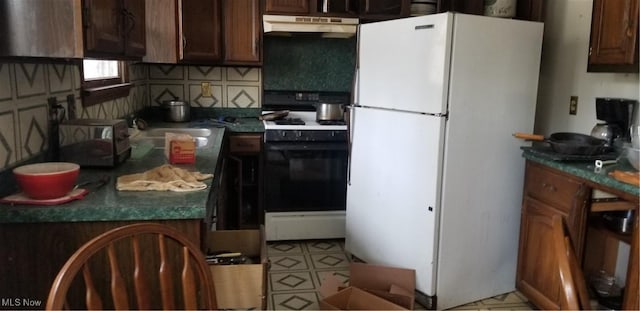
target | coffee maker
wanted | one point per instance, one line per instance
(617, 114)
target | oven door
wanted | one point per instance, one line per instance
(305, 176)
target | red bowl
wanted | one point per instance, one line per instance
(49, 180)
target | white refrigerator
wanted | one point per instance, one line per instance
(435, 176)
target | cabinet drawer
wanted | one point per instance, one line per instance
(553, 188)
(245, 143)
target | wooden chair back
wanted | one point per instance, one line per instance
(133, 265)
(574, 293)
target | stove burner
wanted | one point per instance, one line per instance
(332, 122)
(289, 121)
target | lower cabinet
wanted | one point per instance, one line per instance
(547, 193)
(243, 205)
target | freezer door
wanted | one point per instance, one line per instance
(403, 63)
(392, 196)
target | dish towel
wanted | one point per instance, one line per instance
(163, 178)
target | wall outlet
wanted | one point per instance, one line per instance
(206, 89)
(573, 105)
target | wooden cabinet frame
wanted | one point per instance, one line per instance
(536, 277)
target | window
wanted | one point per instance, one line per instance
(103, 80)
(94, 69)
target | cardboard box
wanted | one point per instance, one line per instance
(387, 288)
(242, 286)
(182, 152)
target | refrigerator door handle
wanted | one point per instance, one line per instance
(352, 119)
(427, 26)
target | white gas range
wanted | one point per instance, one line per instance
(305, 172)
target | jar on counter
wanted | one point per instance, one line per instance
(500, 8)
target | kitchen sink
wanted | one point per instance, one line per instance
(155, 136)
(159, 132)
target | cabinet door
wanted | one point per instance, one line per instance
(286, 6)
(614, 33)
(393, 8)
(200, 29)
(134, 28)
(103, 27)
(241, 31)
(537, 275)
(55, 28)
(160, 33)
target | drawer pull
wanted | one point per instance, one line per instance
(549, 187)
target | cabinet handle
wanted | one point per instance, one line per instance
(184, 42)
(549, 187)
(629, 32)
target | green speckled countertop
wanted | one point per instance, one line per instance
(107, 204)
(588, 171)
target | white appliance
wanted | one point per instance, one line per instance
(435, 175)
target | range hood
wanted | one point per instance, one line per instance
(328, 27)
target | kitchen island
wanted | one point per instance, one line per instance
(37, 240)
(581, 194)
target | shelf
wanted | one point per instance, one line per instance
(611, 205)
(596, 223)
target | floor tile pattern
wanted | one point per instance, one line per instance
(298, 268)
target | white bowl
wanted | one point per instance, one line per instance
(633, 156)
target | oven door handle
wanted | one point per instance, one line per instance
(303, 146)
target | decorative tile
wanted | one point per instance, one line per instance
(205, 73)
(243, 74)
(329, 260)
(162, 92)
(323, 246)
(166, 72)
(5, 82)
(288, 281)
(289, 287)
(197, 100)
(29, 79)
(60, 78)
(289, 262)
(286, 247)
(243, 96)
(8, 146)
(75, 73)
(142, 98)
(33, 130)
(137, 72)
(295, 301)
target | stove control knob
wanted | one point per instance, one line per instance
(299, 133)
(284, 134)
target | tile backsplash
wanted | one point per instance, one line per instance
(231, 87)
(309, 63)
(25, 87)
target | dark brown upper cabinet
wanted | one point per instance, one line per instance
(242, 31)
(200, 31)
(366, 10)
(36, 28)
(114, 29)
(531, 10)
(286, 7)
(209, 32)
(614, 36)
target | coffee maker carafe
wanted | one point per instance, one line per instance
(616, 114)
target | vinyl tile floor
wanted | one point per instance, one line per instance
(298, 267)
